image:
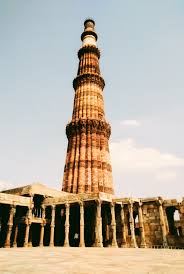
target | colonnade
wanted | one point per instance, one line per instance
(125, 222)
(13, 228)
(29, 221)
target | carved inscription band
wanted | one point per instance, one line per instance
(88, 49)
(88, 77)
(92, 125)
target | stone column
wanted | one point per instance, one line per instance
(141, 226)
(162, 222)
(98, 228)
(82, 242)
(42, 226)
(28, 224)
(113, 225)
(0, 223)
(107, 226)
(41, 234)
(15, 236)
(132, 228)
(67, 225)
(26, 241)
(10, 225)
(181, 214)
(52, 225)
(30, 237)
(123, 243)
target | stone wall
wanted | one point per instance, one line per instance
(152, 226)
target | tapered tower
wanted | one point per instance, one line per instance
(88, 168)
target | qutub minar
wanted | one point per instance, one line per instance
(86, 212)
(88, 167)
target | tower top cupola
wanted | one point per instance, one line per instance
(89, 36)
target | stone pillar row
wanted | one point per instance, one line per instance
(132, 226)
(28, 233)
(98, 226)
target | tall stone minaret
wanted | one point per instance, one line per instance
(88, 168)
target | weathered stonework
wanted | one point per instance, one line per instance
(86, 213)
(47, 218)
(87, 168)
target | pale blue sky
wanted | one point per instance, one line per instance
(142, 44)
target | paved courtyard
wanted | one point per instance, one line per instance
(90, 260)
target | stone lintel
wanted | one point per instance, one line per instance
(74, 198)
(126, 200)
(150, 199)
(37, 220)
(11, 199)
(170, 202)
(116, 202)
(106, 196)
(77, 198)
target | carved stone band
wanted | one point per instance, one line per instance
(88, 77)
(92, 125)
(89, 49)
(88, 163)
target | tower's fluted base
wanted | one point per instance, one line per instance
(88, 167)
